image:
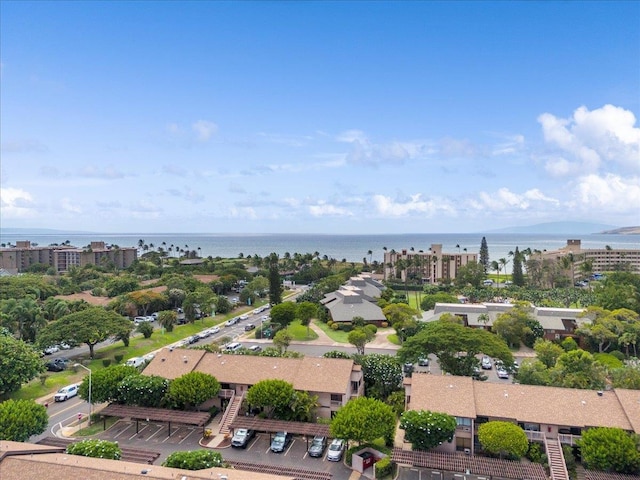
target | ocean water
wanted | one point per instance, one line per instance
(353, 248)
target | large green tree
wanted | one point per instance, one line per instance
(578, 369)
(472, 273)
(90, 326)
(425, 429)
(516, 272)
(272, 395)
(382, 374)
(142, 390)
(429, 301)
(104, 383)
(192, 389)
(275, 283)
(402, 318)
(484, 255)
(19, 363)
(610, 449)
(282, 340)
(359, 337)
(503, 438)
(20, 419)
(547, 352)
(364, 420)
(283, 314)
(512, 325)
(305, 311)
(456, 347)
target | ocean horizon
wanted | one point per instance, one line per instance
(352, 248)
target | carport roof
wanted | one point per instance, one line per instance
(298, 428)
(156, 414)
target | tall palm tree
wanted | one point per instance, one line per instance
(370, 253)
(496, 266)
(503, 264)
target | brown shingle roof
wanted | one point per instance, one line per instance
(75, 467)
(331, 375)
(170, 363)
(464, 397)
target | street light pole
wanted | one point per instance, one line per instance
(88, 370)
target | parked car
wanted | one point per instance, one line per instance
(204, 334)
(255, 348)
(193, 339)
(55, 365)
(488, 283)
(231, 321)
(66, 392)
(486, 364)
(135, 362)
(280, 442)
(423, 362)
(249, 326)
(335, 450)
(502, 372)
(214, 330)
(234, 346)
(51, 349)
(318, 444)
(407, 368)
(242, 437)
(244, 317)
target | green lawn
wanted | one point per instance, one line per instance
(301, 333)
(335, 335)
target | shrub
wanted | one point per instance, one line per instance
(535, 453)
(372, 328)
(106, 362)
(569, 344)
(95, 448)
(335, 326)
(118, 358)
(618, 354)
(384, 324)
(146, 329)
(569, 460)
(608, 360)
(383, 467)
(346, 327)
(194, 460)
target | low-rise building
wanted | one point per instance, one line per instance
(357, 298)
(334, 381)
(543, 412)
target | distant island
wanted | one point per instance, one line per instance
(623, 231)
(558, 228)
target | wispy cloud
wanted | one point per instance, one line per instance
(204, 130)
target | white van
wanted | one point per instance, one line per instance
(232, 347)
(135, 362)
(66, 392)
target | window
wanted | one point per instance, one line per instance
(336, 397)
(535, 427)
(463, 422)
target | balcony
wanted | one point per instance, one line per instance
(534, 436)
(568, 439)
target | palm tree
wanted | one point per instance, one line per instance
(370, 253)
(496, 266)
(503, 264)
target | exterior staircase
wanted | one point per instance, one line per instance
(555, 457)
(230, 414)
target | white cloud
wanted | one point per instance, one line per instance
(67, 205)
(323, 209)
(388, 207)
(365, 152)
(92, 171)
(604, 136)
(610, 193)
(504, 199)
(204, 130)
(24, 146)
(243, 213)
(16, 203)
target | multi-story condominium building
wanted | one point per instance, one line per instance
(431, 266)
(62, 257)
(601, 259)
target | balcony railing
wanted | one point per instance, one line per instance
(533, 435)
(226, 393)
(568, 439)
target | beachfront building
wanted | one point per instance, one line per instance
(549, 415)
(600, 259)
(18, 258)
(334, 381)
(557, 323)
(357, 298)
(432, 266)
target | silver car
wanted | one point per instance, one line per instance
(336, 450)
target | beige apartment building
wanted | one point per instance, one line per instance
(431, 266)
(602, 259)
(62, 257)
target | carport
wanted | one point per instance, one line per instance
(273, 426)
(162, 415)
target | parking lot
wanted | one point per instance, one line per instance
(148, 434)
(415, 473)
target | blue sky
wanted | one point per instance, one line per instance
(327, 117)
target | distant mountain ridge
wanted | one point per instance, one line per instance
(624, 231)
(569, 228)
(41, 231)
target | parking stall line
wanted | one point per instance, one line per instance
(139, 432)
(188, 435)
(123, 430)
(154, 434)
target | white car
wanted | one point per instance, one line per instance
(51, 349)
(231, 322)
(335, 450)
(244, 317)
(66, 392)
(214, 330)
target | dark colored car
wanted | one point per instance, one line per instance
(56, 365)
(280, 442)
(248, 327)
(318, 444)
(242, 437)
(423, 362)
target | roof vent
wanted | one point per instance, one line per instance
(184, 359)
(162, 359)
(599, 393)
(583, 403)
